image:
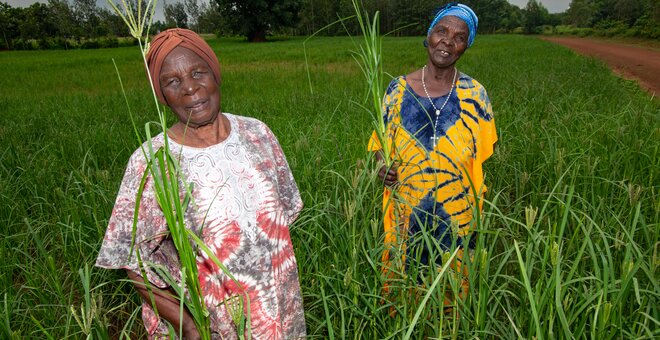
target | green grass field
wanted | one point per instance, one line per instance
(568, 244)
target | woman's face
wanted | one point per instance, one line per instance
(190, 88)
(447, 41)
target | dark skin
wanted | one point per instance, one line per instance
(192, 92)
(447, 42)
(388, 175)
(167, 304)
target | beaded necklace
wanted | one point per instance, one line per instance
(438, 111)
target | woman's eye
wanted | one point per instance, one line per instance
(171, 82)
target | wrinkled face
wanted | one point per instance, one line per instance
(447, 41)
(189, 87)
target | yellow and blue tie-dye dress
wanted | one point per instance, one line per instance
(440, 182)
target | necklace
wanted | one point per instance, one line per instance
(437, 111)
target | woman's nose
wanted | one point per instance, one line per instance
(190, 85)
(446, 41)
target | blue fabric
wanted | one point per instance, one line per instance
(461, 11)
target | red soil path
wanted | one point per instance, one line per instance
(631, 62)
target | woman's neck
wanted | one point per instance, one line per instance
(439, 75)
(433, 81)
(201, 136)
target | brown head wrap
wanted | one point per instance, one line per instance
(164, 42)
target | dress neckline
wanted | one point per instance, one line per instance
(418, 96)
(232, 133)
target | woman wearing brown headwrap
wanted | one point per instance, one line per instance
(245, 198)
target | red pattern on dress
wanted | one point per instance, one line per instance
(245, 198)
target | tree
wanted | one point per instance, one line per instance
(515, 18)
(412, 18)
(628, 11)
(316, 14)
(85, 17)
(32, 25)
(113, 23)
(175, 15)
(62, 18)
(9, 23)
(581, 13)
(193, 11)
(535, 16)
(209, 20)
(4, 23)
(256, 18)
(490, 12)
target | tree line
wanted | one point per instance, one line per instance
(81, 23)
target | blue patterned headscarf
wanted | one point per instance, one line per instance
(461, 11)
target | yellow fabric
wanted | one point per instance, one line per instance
(449, 173)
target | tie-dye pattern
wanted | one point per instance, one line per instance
(436, 183)
(245, 198)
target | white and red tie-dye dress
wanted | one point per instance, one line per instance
(245, 198)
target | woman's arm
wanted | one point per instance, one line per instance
(167, 305)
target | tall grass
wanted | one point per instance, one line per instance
(569, 226)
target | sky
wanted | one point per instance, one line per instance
(553, 6)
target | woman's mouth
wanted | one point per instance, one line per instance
(196, 105)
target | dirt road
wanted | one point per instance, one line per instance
(631, 62)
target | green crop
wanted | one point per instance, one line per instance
(567, 245)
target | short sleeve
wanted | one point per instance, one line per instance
(487, 131)
(119, 249)
(389, 107)
(288, 192)
(486, 139)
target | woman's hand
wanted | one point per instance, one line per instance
(389, 175)
(167, 303)
(190, 332)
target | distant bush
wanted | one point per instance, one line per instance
(547, 29)
(128, 41)
(584, 32)
(45, 43)
(108, 42)
(643, 28)
(90, 44)
(651, 32)
(24, 44)
(571, 30)
(60, 43)
(610, 28)
(647, 28)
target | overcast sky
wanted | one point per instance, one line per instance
(553, 6)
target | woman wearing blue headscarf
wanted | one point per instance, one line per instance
(440, 129)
